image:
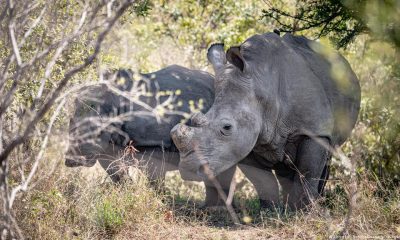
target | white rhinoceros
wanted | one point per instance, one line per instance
(278, 104)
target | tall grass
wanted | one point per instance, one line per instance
(84, 204)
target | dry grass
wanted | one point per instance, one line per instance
(84, 204)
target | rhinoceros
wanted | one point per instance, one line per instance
(279, 103)
(108, 126)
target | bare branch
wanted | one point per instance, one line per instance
(33, 26)
(54, 95)
(24, 184)
(222, 194)
(14, 44)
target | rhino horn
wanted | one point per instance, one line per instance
(216, 56)
(181, 135)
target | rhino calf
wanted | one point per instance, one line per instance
(278, 103)
(110, 119)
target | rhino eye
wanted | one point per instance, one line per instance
(227, 127)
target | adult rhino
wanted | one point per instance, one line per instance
(277, 103)
(107, 121)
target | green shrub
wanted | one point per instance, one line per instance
(108, 216)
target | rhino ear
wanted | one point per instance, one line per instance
(235, 57)
(216, 56)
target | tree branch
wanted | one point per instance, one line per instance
(54, 95)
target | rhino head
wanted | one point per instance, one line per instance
(228, 132)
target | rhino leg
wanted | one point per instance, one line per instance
(264, 181)
(212, 197)
(311, 160)
(286, 183)
(324, 176)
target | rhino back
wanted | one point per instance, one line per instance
(190, 88)
(96, 105)
(343, 91)
(193, 84)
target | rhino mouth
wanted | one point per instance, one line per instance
(188, 175)
(194, 169)
(189, 171)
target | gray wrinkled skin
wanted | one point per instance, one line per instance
(275, 103)
(99, 132)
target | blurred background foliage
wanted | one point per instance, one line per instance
(341, 20)
(180, 31)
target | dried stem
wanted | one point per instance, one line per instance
(227, 201)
